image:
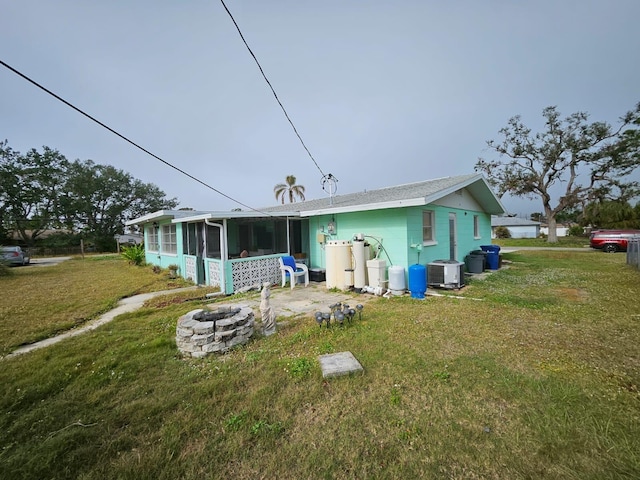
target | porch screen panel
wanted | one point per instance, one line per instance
(213, 242)
(281, 237)
(190, 239)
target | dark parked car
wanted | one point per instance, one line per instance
(612, 240)
(15, 256)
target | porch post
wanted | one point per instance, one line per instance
(223, 248)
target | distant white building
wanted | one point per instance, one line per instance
(518, 227)
(129, 238)
(561, 230)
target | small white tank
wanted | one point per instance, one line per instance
(397, 283)
(376, 269)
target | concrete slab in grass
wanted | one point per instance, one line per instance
(337, 364)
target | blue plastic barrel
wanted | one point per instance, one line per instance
(493, 256)
(417, 280)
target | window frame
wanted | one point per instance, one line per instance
(153, 243)
(476, 226)
(169, 237)
(429, 226)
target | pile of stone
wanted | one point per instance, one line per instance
(202, 332)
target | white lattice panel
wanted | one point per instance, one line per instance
(190, 268)
(254, 272)
(214, 274)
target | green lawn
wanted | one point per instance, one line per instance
(534, 374)
(38, 302)
(542, 242)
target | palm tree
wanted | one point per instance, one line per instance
(290, 189)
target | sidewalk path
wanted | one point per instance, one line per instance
(552, 249)
(285, 302)
(125, 305)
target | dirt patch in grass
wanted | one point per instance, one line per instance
(577, 295)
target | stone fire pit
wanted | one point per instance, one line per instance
(201, 332)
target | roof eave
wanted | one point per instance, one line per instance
(412, 202)
(151, 217)
(231, 215)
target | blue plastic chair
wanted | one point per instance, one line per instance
(292, 270)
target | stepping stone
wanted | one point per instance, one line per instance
(337, 364)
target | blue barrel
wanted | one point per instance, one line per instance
(417, 280)
(493, 256)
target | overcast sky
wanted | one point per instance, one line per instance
(382, 92)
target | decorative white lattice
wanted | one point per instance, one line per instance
(247, 273)
(214, 274)
(190, 269)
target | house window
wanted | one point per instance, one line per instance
(476, 226)
(169, 240)
(428, 226)
(152, 239)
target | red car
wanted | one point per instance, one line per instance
(612, 240)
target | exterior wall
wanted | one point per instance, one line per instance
(440, 249)
(388, 227)
(160, 259)
(398, 229)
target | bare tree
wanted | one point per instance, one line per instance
(591, 160)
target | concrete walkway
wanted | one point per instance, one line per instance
(552, 249)
(284, 301)
(125, 305)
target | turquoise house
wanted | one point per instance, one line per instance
(420, 222)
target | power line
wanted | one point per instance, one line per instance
(271, 87)
(57, 97)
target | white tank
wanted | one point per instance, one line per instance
(359, 263)
(397, 283)
(338, 260)
(376, 269)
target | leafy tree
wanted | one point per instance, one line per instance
(30, 188)
(98, 199)
(289, 189)
(591, 160)
(576, 231)
(611, 214)
(570, 215)
(502, 232)
(42, 190)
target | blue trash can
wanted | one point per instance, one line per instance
(493, 256)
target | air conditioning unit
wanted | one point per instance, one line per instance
(445, 274)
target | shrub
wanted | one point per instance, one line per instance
(502, 232)
(576, 231)
(173, 270)
(5, 270)
(134, 254)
